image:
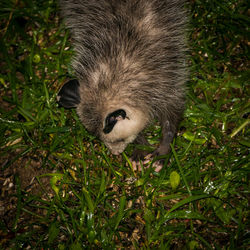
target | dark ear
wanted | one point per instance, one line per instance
(69, 96)
(112, 119)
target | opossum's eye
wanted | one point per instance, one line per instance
(68, 96)
(112, 119)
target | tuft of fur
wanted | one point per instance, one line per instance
(131, 55)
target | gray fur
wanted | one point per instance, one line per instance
(132, 54)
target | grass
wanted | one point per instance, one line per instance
(60, 187)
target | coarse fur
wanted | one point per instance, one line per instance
(130, 55)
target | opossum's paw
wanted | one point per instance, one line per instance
(158, 165)
(139, 155)
(146, 163)
(161, 153)
(159, 162)
(145, 158)
(161, 150)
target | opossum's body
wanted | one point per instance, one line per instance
(130, 67)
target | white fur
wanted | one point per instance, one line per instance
(125, 130)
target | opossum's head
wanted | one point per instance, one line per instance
(116, 123)
(121, 126)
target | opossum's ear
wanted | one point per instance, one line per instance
(112, 119)
(69, 96)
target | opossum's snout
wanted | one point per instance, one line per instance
(69, 96)
(121, 127)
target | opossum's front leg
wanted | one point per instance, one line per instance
(140, 154)
(168, 133)
(140, 139)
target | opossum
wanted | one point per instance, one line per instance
(130, 64)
